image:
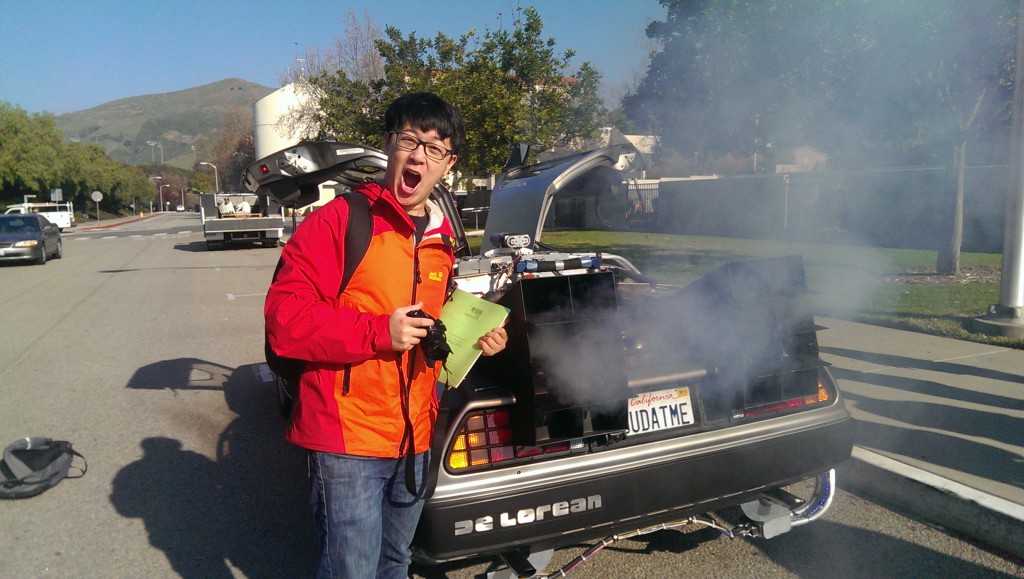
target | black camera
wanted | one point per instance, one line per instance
(435, 344)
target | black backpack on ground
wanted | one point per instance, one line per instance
(357, 241)
(31, 465)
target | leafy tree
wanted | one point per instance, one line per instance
(86, 169)
(34, 158)
(732, 76)
(508, 84)
(29, 147)
(856, 79)
(335, 84)
(134, 187)
(968, 88)
(870, 82)
(234, 149)
(202, 181)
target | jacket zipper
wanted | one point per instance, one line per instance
(347, 381)
(409, 438)
(416, 277)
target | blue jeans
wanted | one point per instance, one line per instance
(365, 517)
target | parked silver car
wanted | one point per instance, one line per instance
(621, 405)
(29, 237)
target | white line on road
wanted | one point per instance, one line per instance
(233, 296)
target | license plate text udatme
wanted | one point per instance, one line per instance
(654, 411)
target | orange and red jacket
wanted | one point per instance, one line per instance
(350, 394)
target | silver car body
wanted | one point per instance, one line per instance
(521, 465)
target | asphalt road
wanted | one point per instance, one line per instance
(144, 350)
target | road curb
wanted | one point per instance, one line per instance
(109, 225)
(986, 518)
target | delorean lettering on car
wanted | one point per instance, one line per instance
(528, 515)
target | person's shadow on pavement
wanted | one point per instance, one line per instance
(244, 512)
(162, 488)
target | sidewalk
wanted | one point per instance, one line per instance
(112, 222)
(115, 221)
(940, 426)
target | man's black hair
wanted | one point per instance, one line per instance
(426, 111)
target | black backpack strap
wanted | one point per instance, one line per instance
(357, 241)
(357, 237)
(357, 234)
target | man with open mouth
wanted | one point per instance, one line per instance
(367, 401)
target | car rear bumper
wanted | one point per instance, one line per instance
(625, 489)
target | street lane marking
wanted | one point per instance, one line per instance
(231, 297)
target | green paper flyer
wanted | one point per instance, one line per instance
(467, 318)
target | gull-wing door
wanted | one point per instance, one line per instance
(523, 196)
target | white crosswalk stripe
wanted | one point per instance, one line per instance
(134, 236)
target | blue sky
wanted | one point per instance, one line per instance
(64, 56)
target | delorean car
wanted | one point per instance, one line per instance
(621, 405)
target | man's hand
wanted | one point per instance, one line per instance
(494, 341)
(406, 332)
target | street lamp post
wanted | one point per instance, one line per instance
(216, 174)
(162, 208)
(156, 180)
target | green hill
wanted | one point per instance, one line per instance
(177, 121)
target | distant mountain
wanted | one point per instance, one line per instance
(175, 121)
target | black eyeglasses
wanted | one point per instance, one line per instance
(407, 142)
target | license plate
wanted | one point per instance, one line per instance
(661, 410)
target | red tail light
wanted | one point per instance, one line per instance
(485, 439)
(775, 407)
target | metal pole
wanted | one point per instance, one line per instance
(1007, 317)
(156, 180)
(216, 175)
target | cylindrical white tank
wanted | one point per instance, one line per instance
(272, 129)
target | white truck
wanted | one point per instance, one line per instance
(240, 218)
(60, 214)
